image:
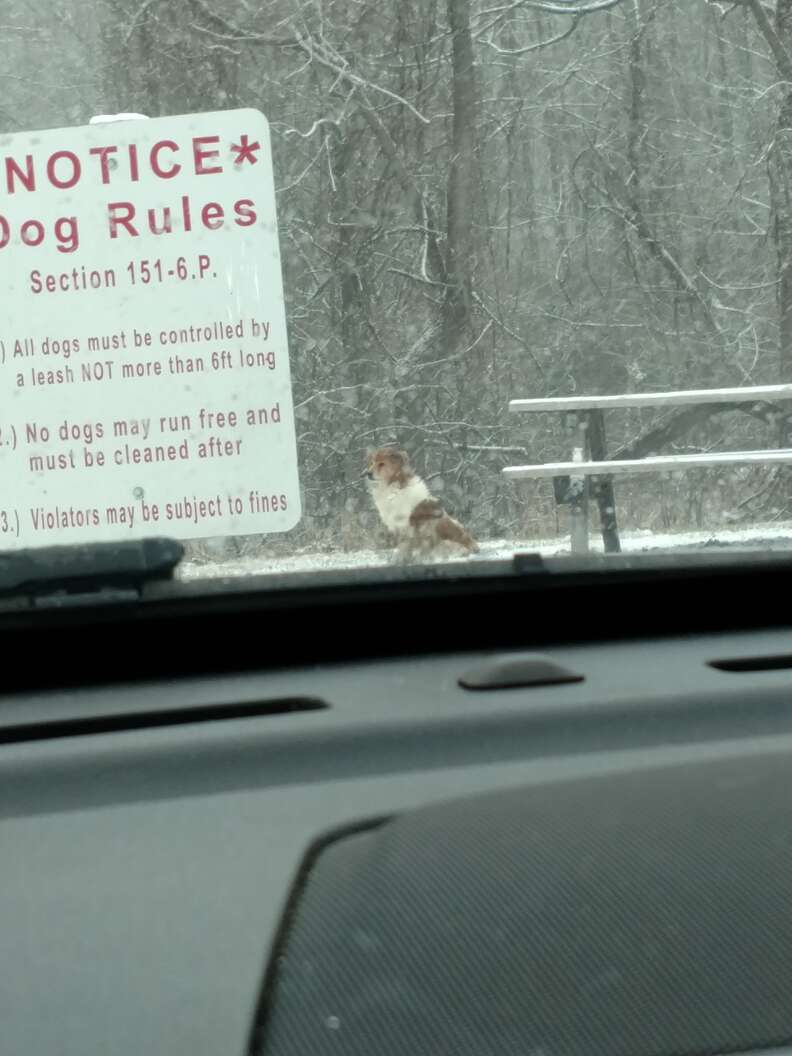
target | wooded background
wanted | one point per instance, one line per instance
(481, 200)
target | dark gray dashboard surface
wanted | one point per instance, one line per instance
(143, 873)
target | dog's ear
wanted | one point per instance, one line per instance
(402, 456)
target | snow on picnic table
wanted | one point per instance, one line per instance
(776, 536)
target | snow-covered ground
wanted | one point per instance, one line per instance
(775, 536)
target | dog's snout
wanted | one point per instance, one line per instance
(368, 474)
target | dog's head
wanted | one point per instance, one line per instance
(387, 465)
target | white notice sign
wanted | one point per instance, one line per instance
(144, 371)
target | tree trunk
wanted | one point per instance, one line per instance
(460, 244)
(782, 195)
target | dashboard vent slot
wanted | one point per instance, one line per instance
(754, 663)
(149, 720)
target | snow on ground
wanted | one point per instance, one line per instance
(776, 536)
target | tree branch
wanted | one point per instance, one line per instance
(535, 47)
(136, 20)
(558, 8)
(681, 423)
(780, 54)
(321, 55)
(227, 30)
(626, 206)
(410, 184)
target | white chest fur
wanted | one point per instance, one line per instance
(396, 504)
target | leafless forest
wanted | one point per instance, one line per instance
(481, 200)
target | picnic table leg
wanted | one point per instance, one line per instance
(578, 505)
(603, 486)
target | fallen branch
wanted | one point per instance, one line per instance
(676, 427)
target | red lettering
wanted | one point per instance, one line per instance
(5, 232)
(67, 234)
(200, 155)
(134, 170)
(32, 232)
(246, 212)
(163, 228)
(116, 220)
(103, 153)
(164, 174)
(212, 215)
(76, 169)
(13, 172)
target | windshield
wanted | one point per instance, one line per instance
(310, 284)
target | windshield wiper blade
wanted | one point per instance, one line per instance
(68, 574)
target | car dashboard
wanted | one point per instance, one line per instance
(217, 838)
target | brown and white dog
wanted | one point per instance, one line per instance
(416, 518)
